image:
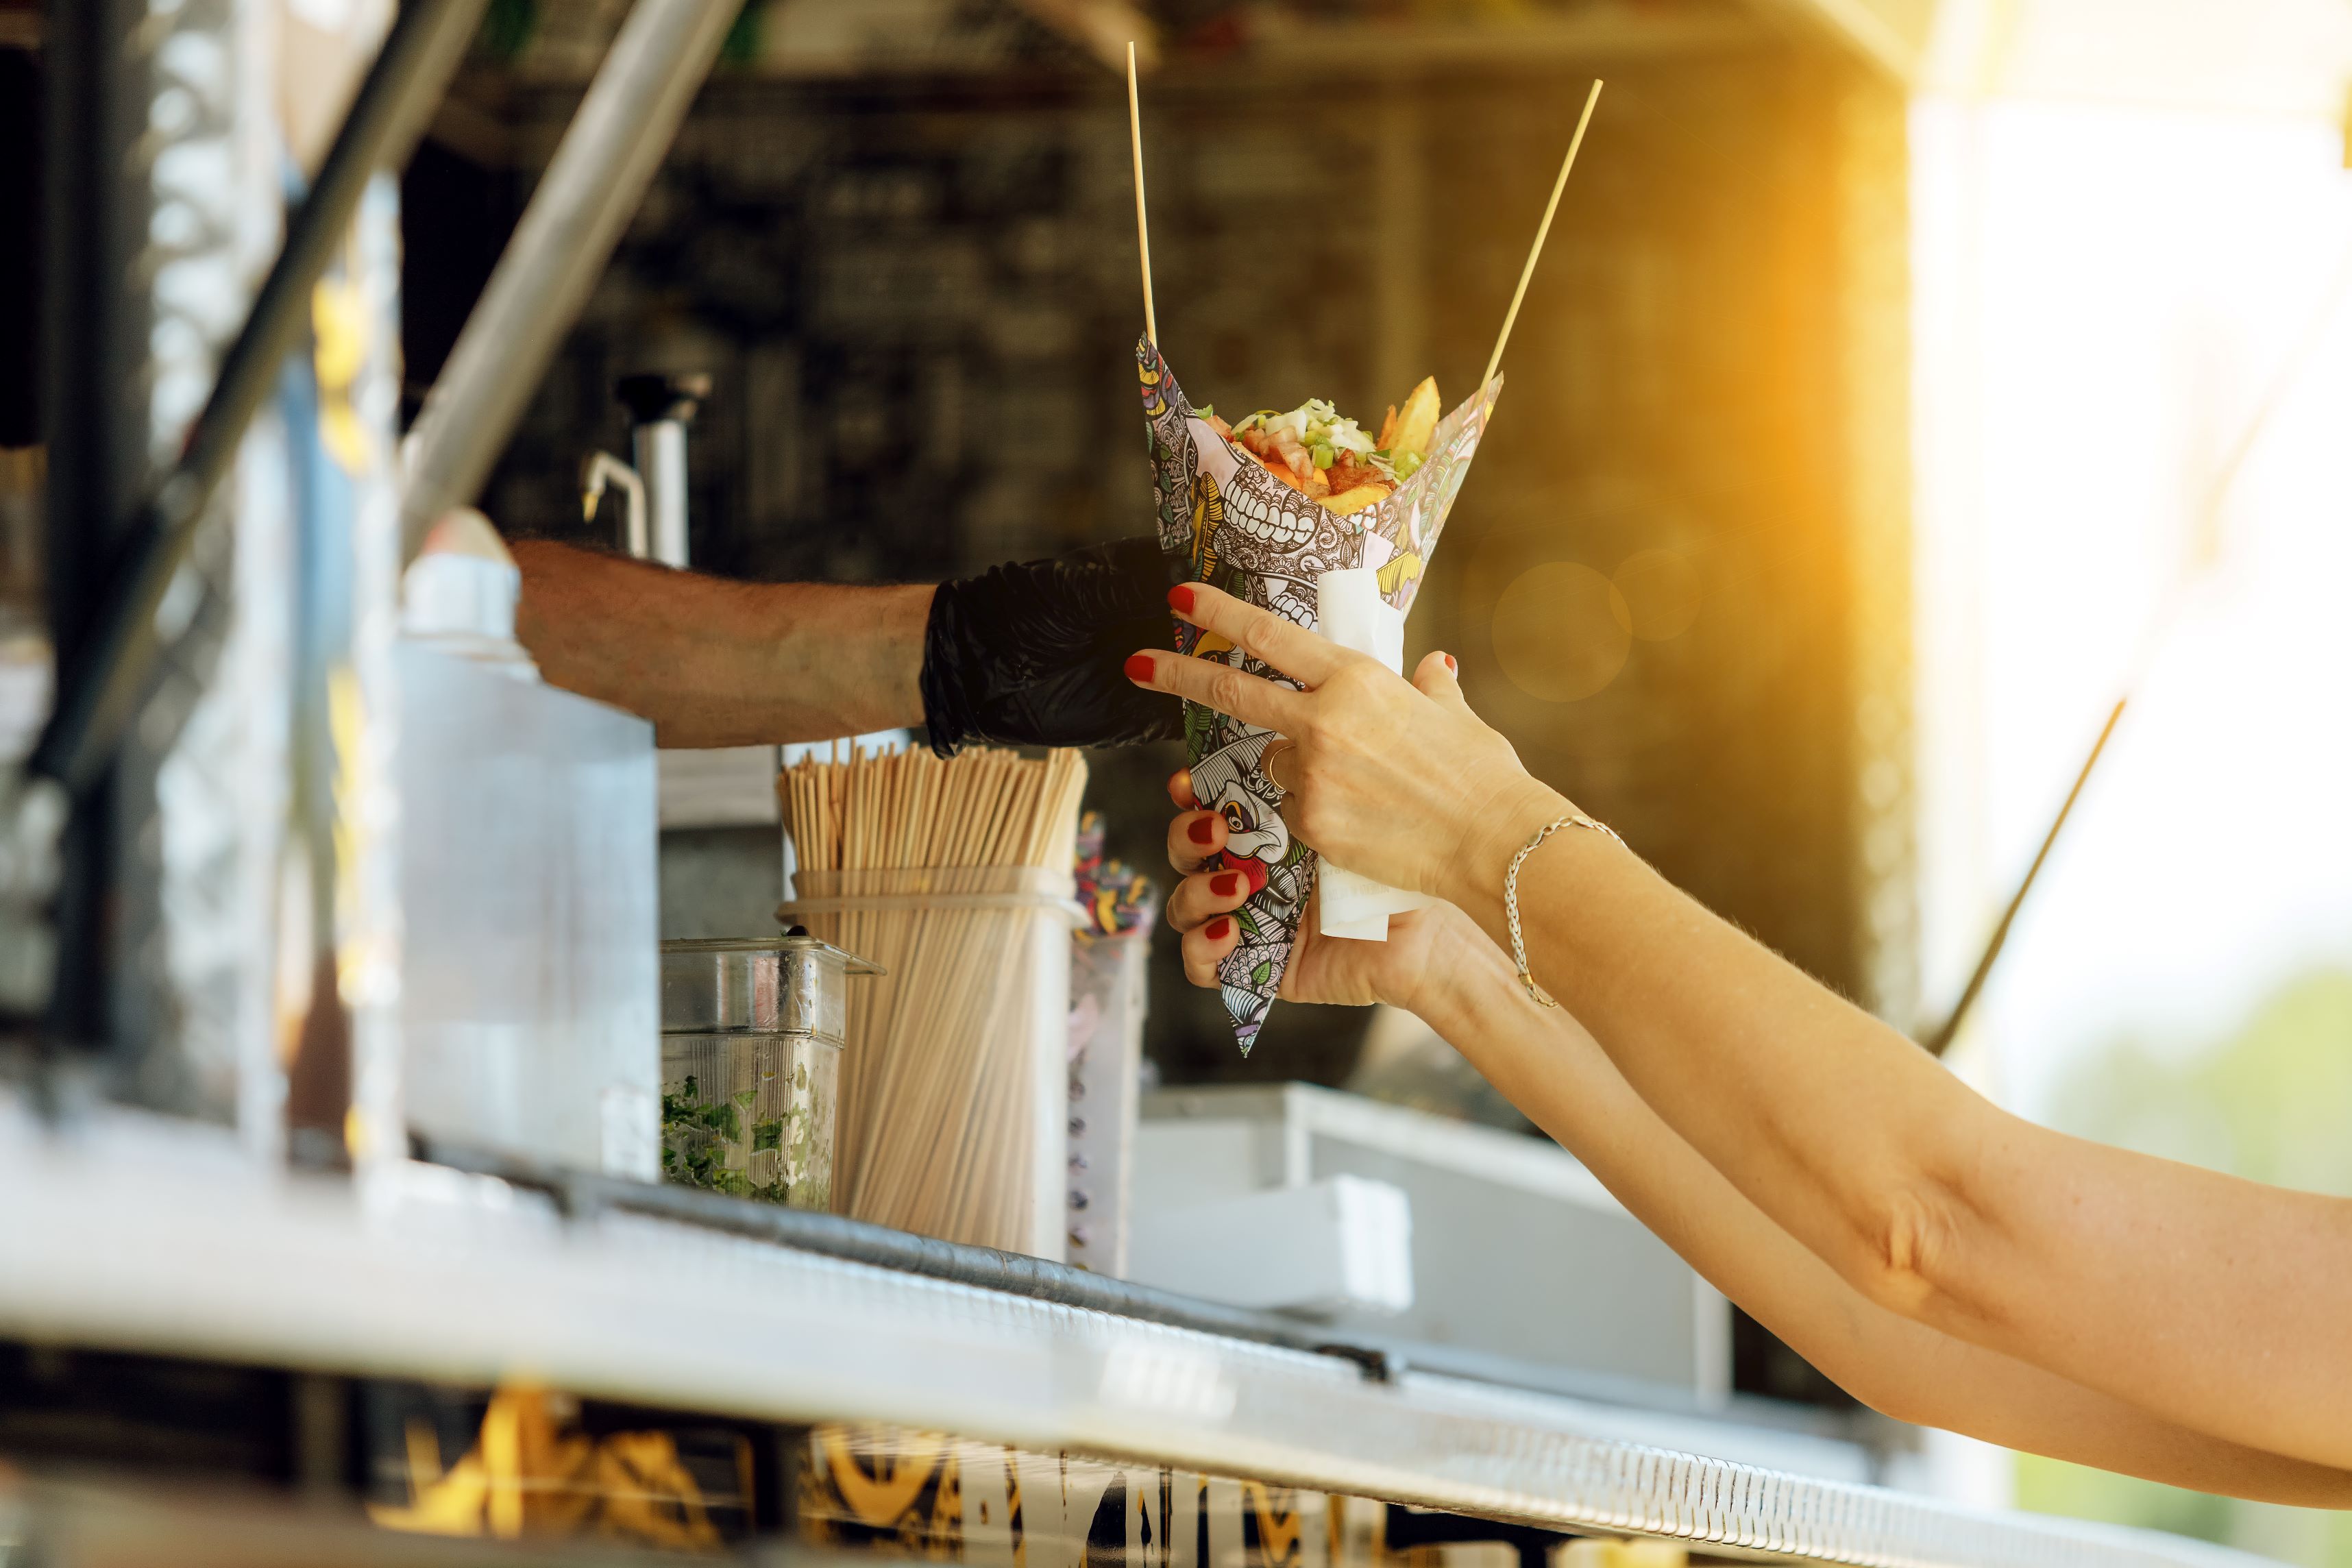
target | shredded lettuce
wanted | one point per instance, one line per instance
(1316, 425)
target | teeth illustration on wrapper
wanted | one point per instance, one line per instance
(1282, 527)
(1234, 526)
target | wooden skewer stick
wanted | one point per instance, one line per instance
(1495, 360)
(1142, 229)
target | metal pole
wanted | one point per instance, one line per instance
(1940, 1039)
(593, 184)
(660, 407)
(660, 448)
(114, 660)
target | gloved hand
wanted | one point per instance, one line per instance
(1032, 654)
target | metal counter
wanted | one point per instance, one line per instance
(134, 1233)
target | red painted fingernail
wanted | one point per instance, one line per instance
(1202, 829)
(1255, 869)
(1217, 930)
(1226, 885)
(1180, 597)
(1450, 667)
(1139, 666)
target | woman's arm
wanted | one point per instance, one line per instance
(2215, 1303)
(1440, 966)
(1553, 1070)
(714, 663)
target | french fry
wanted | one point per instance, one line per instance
(1416, 422)
(1388, 429)
(1361, 497)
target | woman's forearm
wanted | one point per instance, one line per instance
(1805, 1102)
(714, 663)
(2214, 1303)
(1555, 1072)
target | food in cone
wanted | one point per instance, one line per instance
(1261, 508)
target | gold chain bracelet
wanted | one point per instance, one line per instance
(1511, 895)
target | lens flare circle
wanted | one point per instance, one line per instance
(1561, 631)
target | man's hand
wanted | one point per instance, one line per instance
(1033, 654)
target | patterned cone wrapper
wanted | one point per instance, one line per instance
(1233, 524)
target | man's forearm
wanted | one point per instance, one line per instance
(713, 663)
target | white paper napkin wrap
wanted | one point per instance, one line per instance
(1353, 613)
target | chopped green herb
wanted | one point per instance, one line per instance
(786, 1158)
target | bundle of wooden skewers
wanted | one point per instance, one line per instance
(954, 876)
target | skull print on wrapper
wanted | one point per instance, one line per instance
(1238, 527)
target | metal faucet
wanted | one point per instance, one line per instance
(600, 470)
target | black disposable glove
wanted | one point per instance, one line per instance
(1033, 654)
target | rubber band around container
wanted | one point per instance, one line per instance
(935, 888)
(850, 903)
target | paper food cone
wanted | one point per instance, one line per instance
(1236, 526)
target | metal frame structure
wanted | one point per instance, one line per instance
(111, 662)
(616, 140)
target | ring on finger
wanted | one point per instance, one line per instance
(1280, 749)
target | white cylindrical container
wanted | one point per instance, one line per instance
(661, 461)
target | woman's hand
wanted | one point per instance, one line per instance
(1400, 972)
(1400, 782)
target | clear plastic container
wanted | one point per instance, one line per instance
(752, 1032)
(954, 1109)
(1107, 1012)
